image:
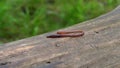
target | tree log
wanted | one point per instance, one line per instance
(98, 48)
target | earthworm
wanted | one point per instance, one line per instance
(61, 34)
(67, 32)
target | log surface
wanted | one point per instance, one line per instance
(98, 48)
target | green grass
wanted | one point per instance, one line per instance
(25, 18)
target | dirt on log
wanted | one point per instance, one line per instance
(98, 48)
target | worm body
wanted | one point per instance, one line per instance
(54, 36)
(67, 32)
(61, 34)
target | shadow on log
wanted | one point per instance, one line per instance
(98, 48)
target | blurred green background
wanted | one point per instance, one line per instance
(25, 18)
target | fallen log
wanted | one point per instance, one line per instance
(98, 48)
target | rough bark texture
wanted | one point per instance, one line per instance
(98, 48)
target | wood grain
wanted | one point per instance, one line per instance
(98, 48)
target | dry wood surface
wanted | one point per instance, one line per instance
(98, 48)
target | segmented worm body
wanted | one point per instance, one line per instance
(61, 34)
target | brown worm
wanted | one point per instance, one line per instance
(67, 32)
(62, 34)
